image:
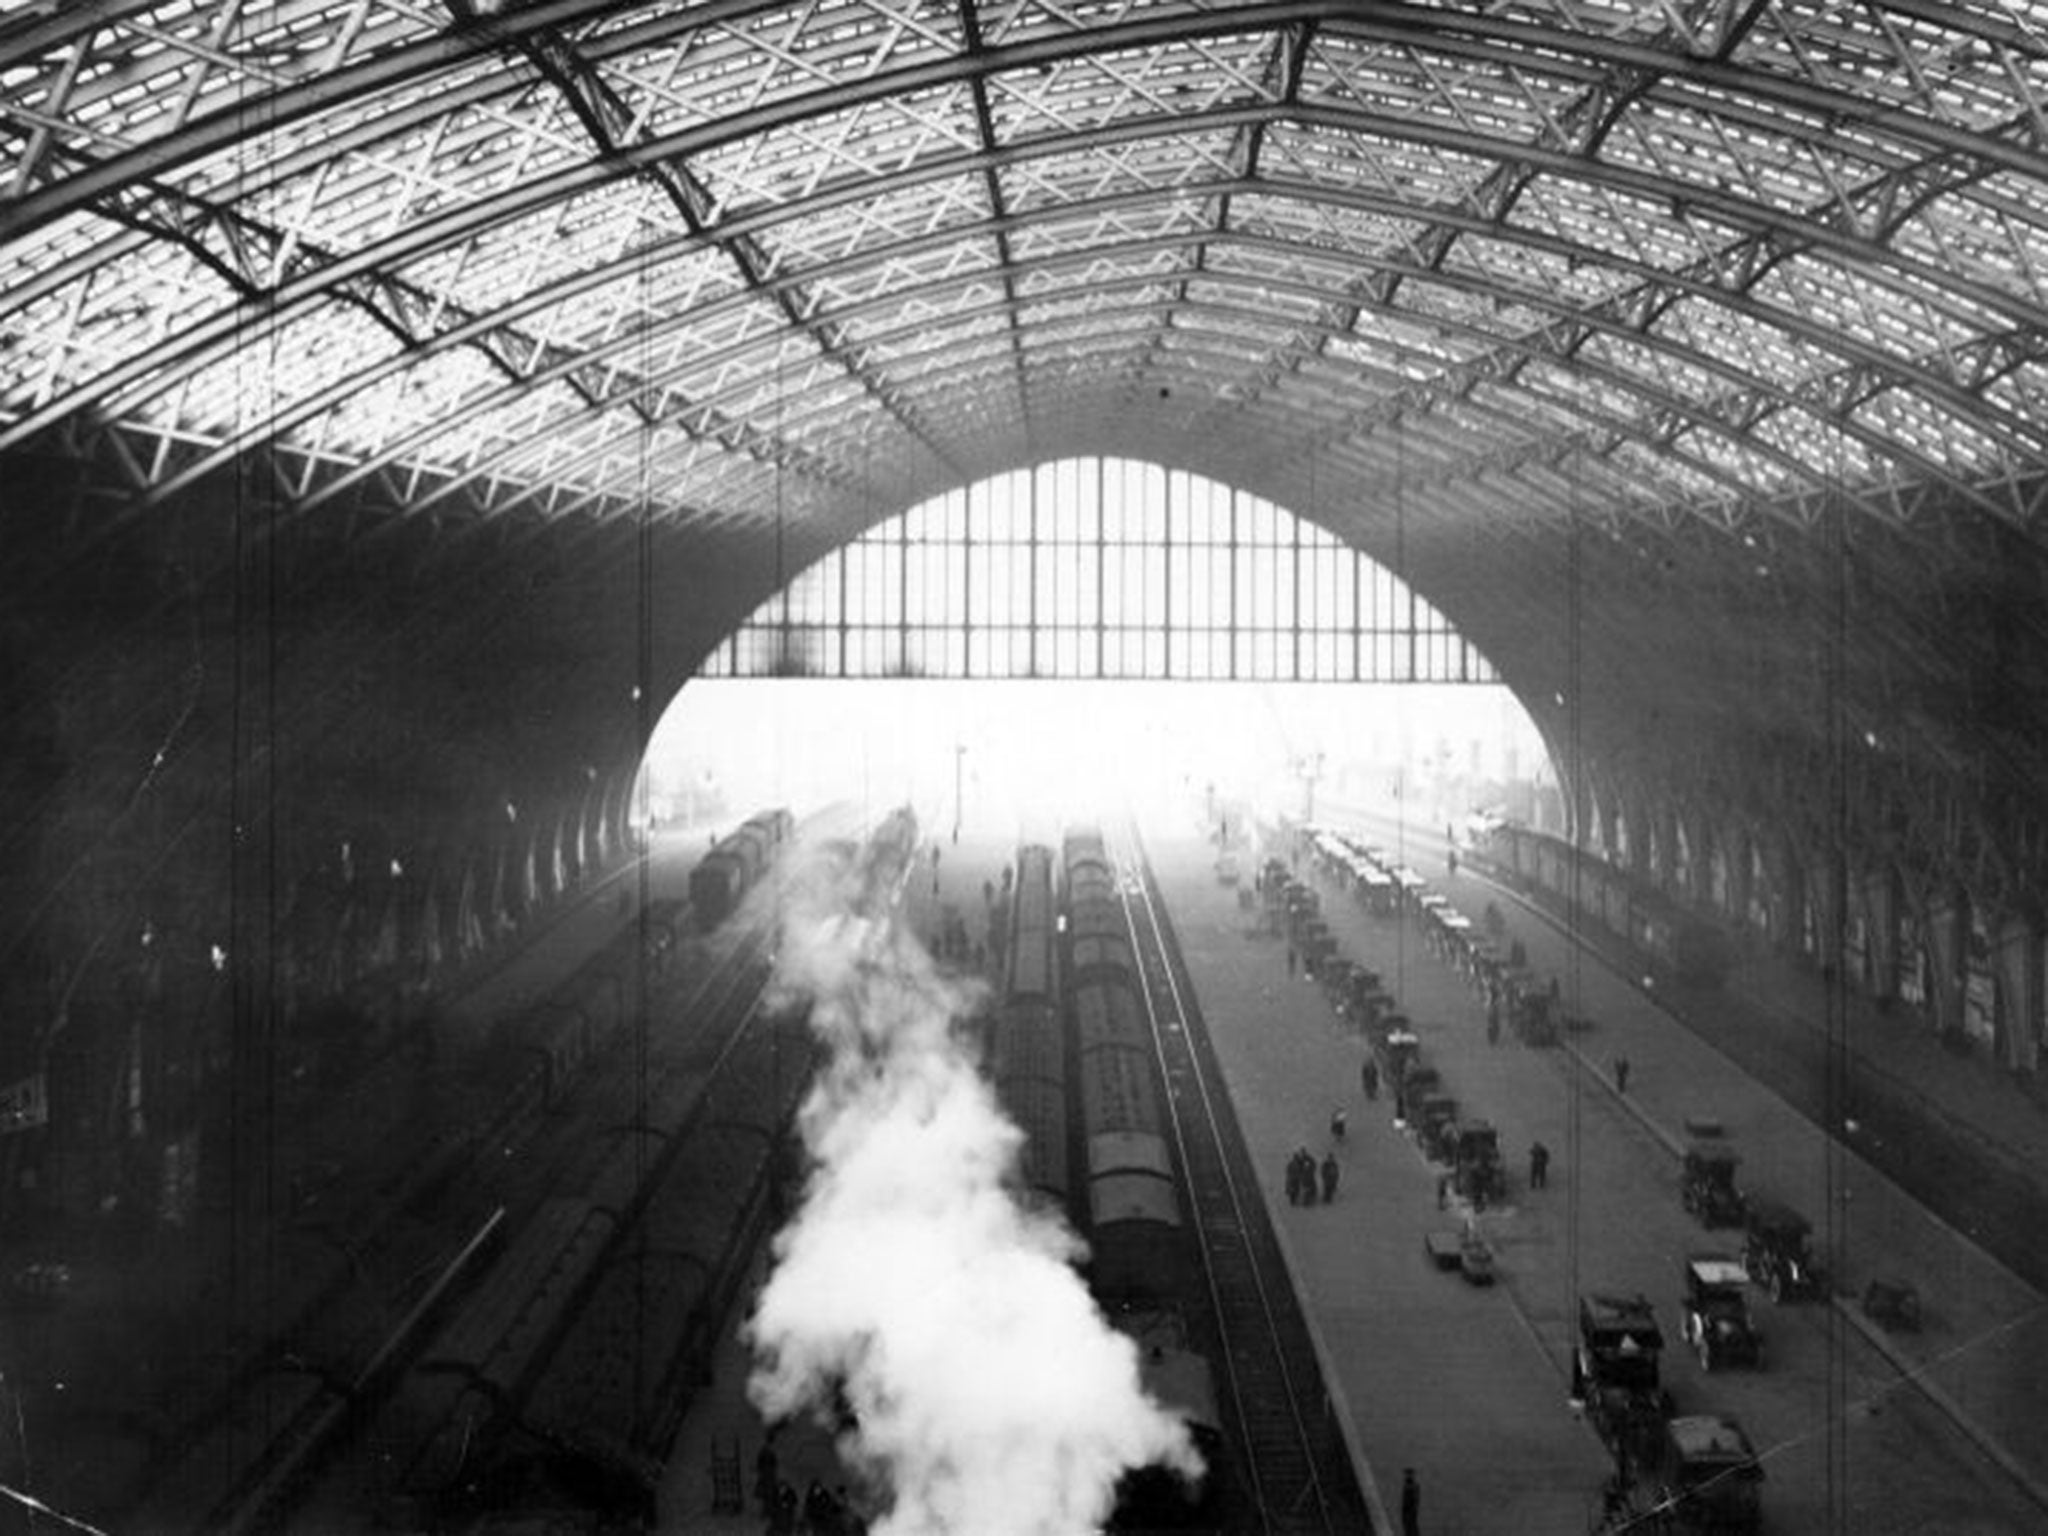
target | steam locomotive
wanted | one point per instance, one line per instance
(1074, 1064)
(735, 865)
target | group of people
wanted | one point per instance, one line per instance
(820, 1512)
(1303, 1173)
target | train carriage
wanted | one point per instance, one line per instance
(1093, 956)
(736, 864)
(1684, 945)
(1107, 1011)
(1119, 1091)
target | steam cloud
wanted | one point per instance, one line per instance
(987, 1396)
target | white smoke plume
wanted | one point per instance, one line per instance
(913, 1300)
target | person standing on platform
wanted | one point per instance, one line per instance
(767, 1475)
(1539, 1165)
(1411, 1503)
(1293, 1179)
(1621, 1074)
(1329, 1177)
(1369, 1078)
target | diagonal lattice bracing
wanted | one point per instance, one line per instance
(1748, 248)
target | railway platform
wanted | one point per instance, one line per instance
(1931, 1430)
(1429, 1371)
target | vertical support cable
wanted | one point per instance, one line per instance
(1569, 781)
(643, 730)
(1401, 773)
(1836, 1099)
(251, 832)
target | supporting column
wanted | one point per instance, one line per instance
(1664, 868)
(1740, 854)
(1880, 893)
(1824, 894)
(2017, 960)
(1698, 888)
(1784, 893)
(1945, 927)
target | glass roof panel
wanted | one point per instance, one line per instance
(907, 277)
(1376, 167)
(1608, 221)
(1328, 225)
(1999, 249)
(283, 364)
(673, 284)
(835, 230)
(1063, 303)
(1462, 93)
(1925, 62)
(851, 144)
(370, 418)
(937, 336)
(698, 68)
(1745, 343)
(1285, 308)
(1052, 235)
(1931, 430)
(1093, 92)
(1269, 261)
(1192, 157)
(1803, 436)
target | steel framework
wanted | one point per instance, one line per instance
(1730, 258)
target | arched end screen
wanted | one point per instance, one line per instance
(1099, 568)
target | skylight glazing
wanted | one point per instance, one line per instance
(640, 213)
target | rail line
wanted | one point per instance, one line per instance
(1298, 1470)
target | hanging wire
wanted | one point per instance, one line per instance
(1401, 787)
(1836, 1102)
(253, 878)
(1571, 783)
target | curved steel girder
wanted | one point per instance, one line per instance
(845, 265)
(1796, 230)
(1670, 406)
(1671, 284)
(1819, 103)
(1508, 41)
(606, 120)
(503, 465)
(1460, 444)
(1782, 237)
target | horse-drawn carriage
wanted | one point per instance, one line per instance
(1615, 1374)
(1476, 1169)
(1706, 1185)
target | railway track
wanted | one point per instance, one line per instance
(506, 1179)
(1298, 1470)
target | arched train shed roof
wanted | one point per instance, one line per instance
(1688, 354)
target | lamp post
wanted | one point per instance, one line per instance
(959, 761)
(1311, 770)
